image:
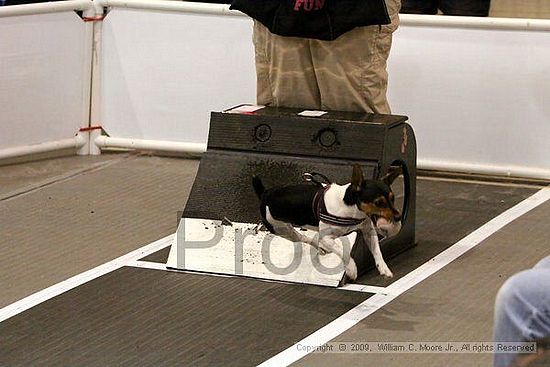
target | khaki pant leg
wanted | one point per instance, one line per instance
(351, 70)
(284, 70)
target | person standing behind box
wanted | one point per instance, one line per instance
(322, 54)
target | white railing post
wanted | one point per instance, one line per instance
(93, 17)
(87, 81)
(96, 59)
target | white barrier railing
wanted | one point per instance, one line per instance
(475, 92)
(511, 24)
(190, 59)
(45, 8)
(406, 19)
(48, 100)
(106, 142)
(73, 143)
(173, 6)
(155, 134)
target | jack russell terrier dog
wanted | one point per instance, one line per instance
(334, 211)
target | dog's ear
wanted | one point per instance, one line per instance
(357, 177)
(393, 173)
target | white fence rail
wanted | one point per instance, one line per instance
(478, 103)
(475, 95)
(45, 52)
(161, 80)
(45, 8)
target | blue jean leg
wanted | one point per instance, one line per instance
(522, 309)
(543, 264)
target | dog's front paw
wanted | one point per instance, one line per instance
(384, 270)
(351, 270)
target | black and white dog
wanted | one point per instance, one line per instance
(334, 211)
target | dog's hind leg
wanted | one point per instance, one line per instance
(287, 231)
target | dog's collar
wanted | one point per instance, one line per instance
(321, 213)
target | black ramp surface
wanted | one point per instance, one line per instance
(141, 317)
(225, 178)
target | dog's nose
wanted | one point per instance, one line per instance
(397, 217)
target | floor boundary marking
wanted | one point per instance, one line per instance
(362, 288)
(82, 278)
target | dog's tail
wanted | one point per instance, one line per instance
(259, 187)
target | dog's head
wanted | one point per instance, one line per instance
(376, 200)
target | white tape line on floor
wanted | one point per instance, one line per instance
(374, 303)
(66, 285)
(161, 266)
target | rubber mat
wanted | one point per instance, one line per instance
(140, 317)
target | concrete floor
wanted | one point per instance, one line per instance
(64, 216)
